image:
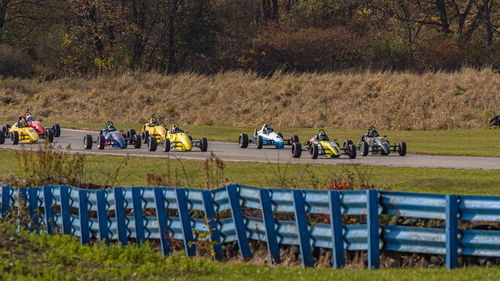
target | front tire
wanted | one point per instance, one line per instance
(145, 136)
(363, 148)
(137, 141)
(402, 148)
(87, 142)
(296, 150)
(101, 142)
(131, 136)
(50, 136)
(243, 140)
(352, 151)
(203, 144)
(166, 147)
(57, 130)
(2, 137)
(314, 151)
(295, 138)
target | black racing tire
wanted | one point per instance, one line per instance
(14, 138)
(137, 141)
(295, 138)
(5, 129)
(145, 136)
(363, 148)
(352, 151)
(57, 130)
(87, 142)
(260, 142)
(166, 147)
(203, 144)
(50, 136)
(2, 137)
(402, 148)
(243, 140)
(296, 150)
(131, 136)
(101, 142)
(152, 144)
(314, 151)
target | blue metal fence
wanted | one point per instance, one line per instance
(164, 213)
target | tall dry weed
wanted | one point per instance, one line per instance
(466, 99)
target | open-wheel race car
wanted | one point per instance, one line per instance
(21, 132)
(110, 137)
(321, 144)
(43, 132)
(266, 137)
(173, 139)
(374, 143)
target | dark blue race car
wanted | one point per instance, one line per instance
(110, 137)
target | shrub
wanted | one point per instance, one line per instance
(14, 62)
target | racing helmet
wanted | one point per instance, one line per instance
(22, 123)
(322, 137)
(29, 118)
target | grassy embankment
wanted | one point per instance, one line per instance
(466, 99)
(118, 171)
(25, 256)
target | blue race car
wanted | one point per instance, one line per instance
(110, 137)
(266, 136)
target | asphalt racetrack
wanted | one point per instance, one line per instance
(232, 152)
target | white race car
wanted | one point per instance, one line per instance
(266, 136)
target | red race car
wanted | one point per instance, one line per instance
(54, 131)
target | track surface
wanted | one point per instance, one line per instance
(231, 152)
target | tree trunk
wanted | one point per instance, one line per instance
(172, 65)
(443, 16)
(266, 9)
(275, 9)
(488, 5)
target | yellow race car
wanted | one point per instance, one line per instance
(321, 144)
(173, 139)
(20, 132)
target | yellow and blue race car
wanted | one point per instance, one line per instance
(321, 144)
(21, 132)
(172, 139)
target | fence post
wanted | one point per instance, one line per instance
(373, 229)
(185, 222)
(209, 208)
(102, 216)
(138, 215)
(6, 200)
(84, 217)
(451, 231)
(302, 228)
(267, 214)
(161, 216)
(239, 225)
(24, 193)
(49, 212)
(33, 206)
(336, 225)
(120, 215)
(65, 210)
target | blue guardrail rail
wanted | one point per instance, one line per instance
(162, 213)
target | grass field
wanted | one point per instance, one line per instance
(470, 142)
(25, 256)
(120, 171)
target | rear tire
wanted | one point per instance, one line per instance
(295, 138)
(352, 151)
(137, 141)
(87, 142)
(50, 136)
(203, 144)
(296, 150)
(14, 137)
(2, 137)
(152, 144)
(57, 130)
(243, 140)
(5, 129)
(402, 148)
(363, 148)
(131, 136)
(101, 143)
(166, 147)
(260, 142)
(314, 151)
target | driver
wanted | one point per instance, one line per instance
(109, 127)
(28, 116)
(176, 129)
(21, 122)
(153, 121)
(266, 129)
(373, 133)
(323, 137)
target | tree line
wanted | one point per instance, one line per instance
(55, 38)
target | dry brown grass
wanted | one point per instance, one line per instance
(388, 100)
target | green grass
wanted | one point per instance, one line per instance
(26, 256)
(192, 173)
(472, 142)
